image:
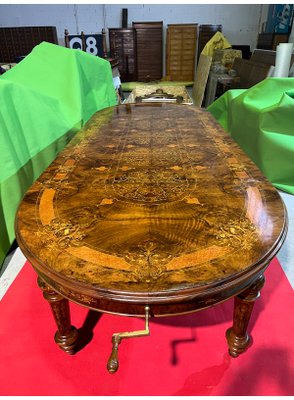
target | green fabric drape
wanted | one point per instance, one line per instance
(261, 120)
(44, 101)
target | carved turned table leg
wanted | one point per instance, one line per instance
(66, 335)
(237, 336)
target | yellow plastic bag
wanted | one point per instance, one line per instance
(218, 41)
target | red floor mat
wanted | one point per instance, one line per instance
(185, 355)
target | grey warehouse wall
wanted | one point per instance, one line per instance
(240, 21)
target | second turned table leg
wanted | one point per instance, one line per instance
(66, 335)
(237, 336)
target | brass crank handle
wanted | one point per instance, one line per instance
(113, 363)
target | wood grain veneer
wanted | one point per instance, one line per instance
(151, 205)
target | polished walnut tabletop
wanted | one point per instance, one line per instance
(151, 205)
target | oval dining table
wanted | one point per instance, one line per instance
(151, 210)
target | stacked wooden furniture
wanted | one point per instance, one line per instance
(266, 57)
(138, 51)
(20, 41)
(181, 45)
(123, 49)
(149, 50)
(250, 72)
(269, 41)
(206, 32)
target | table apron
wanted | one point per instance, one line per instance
(158, 307)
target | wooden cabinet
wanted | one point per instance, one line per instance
(20, 41)
(123, 48)
(138, 51)
(181, 44)
(148, 50)
(206, 32)
(269, 41)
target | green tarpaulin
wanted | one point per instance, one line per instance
(261, 121)
(44, 101)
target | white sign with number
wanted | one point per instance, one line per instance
(76, 42)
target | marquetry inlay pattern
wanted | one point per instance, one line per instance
(150, 198)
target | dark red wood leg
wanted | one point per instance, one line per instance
(237, 336)
(66, 335)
